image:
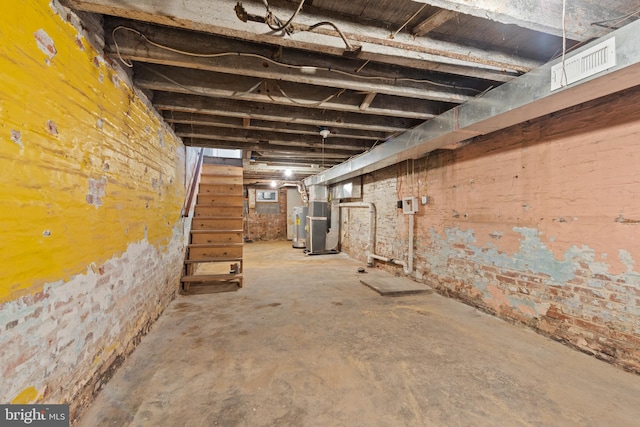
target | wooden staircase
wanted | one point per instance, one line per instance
(214, 252)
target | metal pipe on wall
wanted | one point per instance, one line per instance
(407, 267)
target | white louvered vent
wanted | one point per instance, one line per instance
(577, 67)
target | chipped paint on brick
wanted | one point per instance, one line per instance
(77, 326)
(51, 127)
(45, 43)
(97, 190)
(28, 395)
(81, 284)
(16, 136)
(554, 249)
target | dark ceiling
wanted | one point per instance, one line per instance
(225, 76)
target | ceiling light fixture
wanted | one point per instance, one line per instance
(274, 184)
(288, 173)
(324, 133)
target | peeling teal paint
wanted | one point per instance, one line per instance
(626, 259)
(533, 257)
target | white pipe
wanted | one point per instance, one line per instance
(407, 267)
(372, 229)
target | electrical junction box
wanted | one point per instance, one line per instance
(409, 205)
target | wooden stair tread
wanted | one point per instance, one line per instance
(209, 171)
(213, 245)
(218, 259)
(210, 277)
(239, 230)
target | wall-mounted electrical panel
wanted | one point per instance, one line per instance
(409, 205)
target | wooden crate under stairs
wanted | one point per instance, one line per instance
(214, 252)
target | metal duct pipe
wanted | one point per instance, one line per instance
(318, 193)
(524, 98)
(303, 192)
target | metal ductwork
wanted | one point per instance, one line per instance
(524, 98)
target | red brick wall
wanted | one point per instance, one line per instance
(538, 224)
(268, 226)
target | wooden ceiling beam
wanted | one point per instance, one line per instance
(177, 117)
(366, 103)
(544, 16)
(131, 47)
(226, 134)
(220, 18)
(180, 80)
(433, 22)
(237, 108)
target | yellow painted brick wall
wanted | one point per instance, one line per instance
(84, 167)
(91, 187)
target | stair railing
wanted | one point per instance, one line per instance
(186, 208)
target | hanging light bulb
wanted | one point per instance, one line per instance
(274, 184)
(288, 173)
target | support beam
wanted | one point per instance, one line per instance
(298, 115)
(210, 143)
(132, 47)
(220, 18)
(272, 151)
(522, 99)
(544, 16)
(366, 103)
(287, 128)
(433, 22)
(250, 136)
(180, 80)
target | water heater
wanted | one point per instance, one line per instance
(300, 226)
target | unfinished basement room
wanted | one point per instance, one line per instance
(320, 213)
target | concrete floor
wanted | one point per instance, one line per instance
(305, 344)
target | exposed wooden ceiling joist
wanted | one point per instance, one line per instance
(132, 48)
(379, 69)
(180, 80)
(263, 125)
(226, 134)
(433, 22)
(220, 18)
(544, 16)
(261, 111)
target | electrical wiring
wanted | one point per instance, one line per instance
(616, 20)
(247, 92)
(350, 47)
(271, 17)
(303, 68)
(391, 36)
(200, 92)
(307, 104)
(564, 43)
